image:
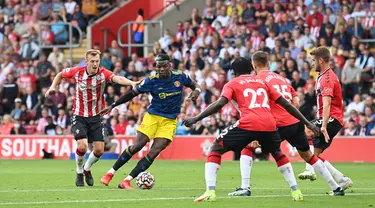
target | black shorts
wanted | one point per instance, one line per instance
(90, 128)
(235, 139)
(295, 135)
(333, 127)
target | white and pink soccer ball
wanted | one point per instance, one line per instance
(145, 180)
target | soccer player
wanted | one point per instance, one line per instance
(330, 112)
(256, 122)
(289, 128)
(87, 126)
(160, 123)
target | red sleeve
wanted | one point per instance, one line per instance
(273, 93)
(69, 73)
(293, 92)
(108, 75)
(228, 91)
(327, 85)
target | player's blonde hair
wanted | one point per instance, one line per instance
(260, 58)
(92, 52)
(321, 52)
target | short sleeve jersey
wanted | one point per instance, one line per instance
(252, 96)
(279, 83)
(167, 94)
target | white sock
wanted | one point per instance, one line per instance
(308, 166)
(112, 171)
(288, 174)
(246, 163)
(210, 174)
(92, 159)
(79, 163)
(128, 178)
(337, 175)
(324, 172)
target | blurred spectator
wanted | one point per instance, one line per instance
(352, 129)
(43, 121)
(30, 48)
(138, 30)
(63, 119)
(131, 127)
(8, 94)
(364, 126)
(356, 104)
(297, 81)
(45, 10)
(367, 63)
(30, 99)
(16, 112)
(59, 30)
(18, 128)
(70, 6)
(50, 128)
(44, 69)
(6, 125)
(115, 50)
(56, 57)
(351, 77)
(90, 8)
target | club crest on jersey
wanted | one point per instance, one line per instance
(98, 78)
(77, 131)
(177, 83)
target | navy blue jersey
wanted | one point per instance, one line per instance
(166, 93)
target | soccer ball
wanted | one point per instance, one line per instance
(145, 180)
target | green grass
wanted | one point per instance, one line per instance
(51, 184)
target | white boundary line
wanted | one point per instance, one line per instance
(161, 199)
(170, 189)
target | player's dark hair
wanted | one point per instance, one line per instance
(260, 58)
(241, 66)
(321, 52)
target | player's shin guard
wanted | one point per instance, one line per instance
(246, 161)
(126, 155)
(142, 165)
(285, 167)
(323, 171)
(80, 159)
(90, 161)
(337, 175)
(211, 168)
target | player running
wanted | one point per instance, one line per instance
(330, 112)
(256, 123)
(289, 128)
(160, 123)
(87, 126)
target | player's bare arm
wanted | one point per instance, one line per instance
(196, 91)
(55, 83)
(326, 110)
(295, 112)
(295, 101)
(124, 81)
(211, 109)
(123, 99)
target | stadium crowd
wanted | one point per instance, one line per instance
(203, 47)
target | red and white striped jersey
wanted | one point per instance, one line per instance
(89, 97)
(369, 21)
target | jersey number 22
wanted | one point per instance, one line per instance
(254, 97)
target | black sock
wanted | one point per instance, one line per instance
(126, 155)
(142, 165)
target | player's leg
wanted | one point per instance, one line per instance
(270, 142)
(246, 162)
(309, 172)
(145, 132)
(157, 147)
(79, 130)
(140, 141)
(333, 127)
(297, 138)
(231, 138)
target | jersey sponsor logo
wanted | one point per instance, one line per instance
(164, 95)
(177, 83)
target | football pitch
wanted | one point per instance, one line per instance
(50, 183)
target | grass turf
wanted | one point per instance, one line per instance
(51, 184)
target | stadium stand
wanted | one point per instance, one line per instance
(203, 47)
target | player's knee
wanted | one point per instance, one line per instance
(82, 147)
(216, 147)
(98, 151)
(306, 155)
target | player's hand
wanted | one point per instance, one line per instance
(313, 128)
(49, 91)
(254, 144)
(190, 122)
(106, 110)
(325, 134)
(135, 84)
(194, 95)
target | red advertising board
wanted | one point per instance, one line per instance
(182, 148)
(30, 147)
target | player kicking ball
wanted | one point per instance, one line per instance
(256, 122)
(160, 123)
(87, 126)
(289, 128)
(330, 112)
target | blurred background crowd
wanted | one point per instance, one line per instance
(204, 47)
